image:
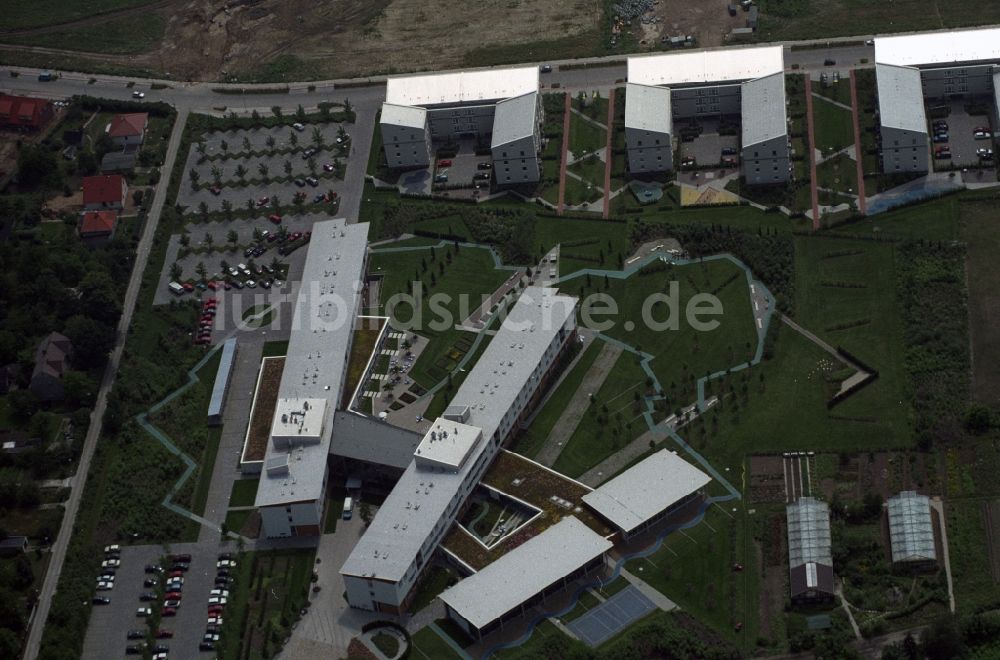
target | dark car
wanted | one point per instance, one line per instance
(169, 611)
(941, 137)
(101, 600)
(161, 648)
(728, 151)
(223, 582)
(206, 646)
(223, 572)
(147, 596)
(545, 68)
(185, 558)
(135, 649)
(164, 633)
(829, 62)
(154, 568)
(180, 566)
(300, 182)
(136, 634)
(485, 165)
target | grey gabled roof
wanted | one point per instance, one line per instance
(646, 489)
(763, 109)
(365, 438)
(403, 115)
(900, 98)
(911, 530)
(525, 571)
(647, 108)
(515, 119)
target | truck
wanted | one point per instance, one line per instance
(46, 76)
(348, 508)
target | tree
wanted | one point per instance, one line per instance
(185, 240)
(347, 106)
(977, 419)
(287, 166)
(232, 238)
(86, 162)
(293, 138)
(92, 340)
(23, 403)
(258, 235)
(224, 146)
(216, 174)
(942, 640)
(224, 265)
(262, 168)
(194, 176)
(311, 163)
(200, 149)
(246, 143)
(250, 205)
(276, 203)
(275, 265)
(203, 209)
(269, 141)
(317, 136)
(79, 388)
(241, 172)
(201, 270)
(37, 166)
(227, 208)
(300, 113)
(276, 111)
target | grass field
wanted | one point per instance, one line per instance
(981, 233)
(833, 125)
(469, 276)
(817, 19)
(243, 493)
(839, 173)
(21, 15)
(428, 645)
(968, 543)
(584, 136)
(123, 36)
(589, 169)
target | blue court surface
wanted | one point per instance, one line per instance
(612, 616)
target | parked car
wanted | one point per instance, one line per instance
(728, 161)
(299, 127)
(829, 62)
(112, 549)
(219, 592)
(169, 611)
(173, 602)
(481, 176)
(164, 633)
(147, 596)
(135, 649)
(485, 165)
(263, 201)
(181, 566)
(113, 563)
(440, 178)
(984, 153)
(206, 646)
(135, 634)
(143, 612)
(981, 134)
(218, 600)
(312, 181)
(444, 163)
(728, 151)
(138, 95)
(215, 190)
(275, 218)
(105, 586)
(173, 595)
(940, 137)
(214, 621)
(300, 182)
(100, 600)
(545, 68)
(942, 153)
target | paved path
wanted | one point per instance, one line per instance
(831, 101)
(58, 551)
(563, 156)
(812, 154)
(938, 506)
(609, 156)
(575, 410)
(610, 466)
(858, 153)
(839, 591)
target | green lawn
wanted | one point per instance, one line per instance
(122, 36)
(470, 274)
(275, 349)
(531, 441)
(585, 137)
(694, 569)
(434, 581)
(428, 645)
(833, 125)
(590, 169)
(544, 634)
(839, 173)
(243, 493)
(236, 519)
(584, 604)
(579, 192)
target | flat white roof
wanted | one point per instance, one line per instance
(447, 444)
(646, 489)
(762, 115)
(461, 86)
(939, 47)
(322, 326)
(706, 66)
(403, 115)
(525, 571)
(647, 108)
(900, 98)
(298, 419)
(515, 119)
(419, 501)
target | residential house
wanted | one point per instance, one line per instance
(128, 130)
(52, 361)
(24, 113)
(98, 226)
(104, 192)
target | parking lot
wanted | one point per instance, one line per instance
(961, 142)
(239, 193)
(460, 170)
(109, 624)
(707, 148)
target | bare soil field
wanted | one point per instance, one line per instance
(707, 21)
(981, 233)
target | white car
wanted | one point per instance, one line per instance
(143, 611)
(111, 563)
(138, 95)
(105, 586)
(234, 272)
(299, 127)
(251, 284)
(225, 563)
(213, 620)
(112, 549)
(220, 592)
(217, 600)
(174, 584)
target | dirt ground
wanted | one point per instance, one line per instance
(767, 479)
(708, 21)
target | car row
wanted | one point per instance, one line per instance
(206, 323)
(217, 599)
(106, 579)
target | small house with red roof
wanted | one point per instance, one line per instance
(104, 192)
(52, 361)
(98, 226)
(128, 130)
(24, 113)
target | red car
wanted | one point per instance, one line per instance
(263, 201)
(164, 633)
(215, 610)
(444, 163)
(169, 611)
(211, 301)
(188, 287)
(275, 218)
(173, 595)
(174, 574)
(213, 285)
(216, 190)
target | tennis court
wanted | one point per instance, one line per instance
(612, 616)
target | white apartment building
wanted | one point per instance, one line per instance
(451, 458)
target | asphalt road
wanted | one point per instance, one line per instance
(58, 551)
